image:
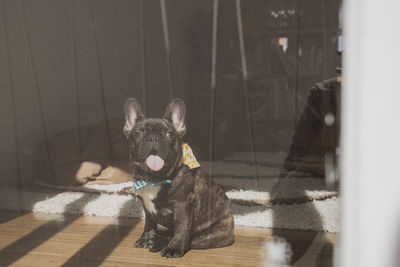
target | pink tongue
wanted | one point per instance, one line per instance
(155, 163)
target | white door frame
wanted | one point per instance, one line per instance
(370, 161)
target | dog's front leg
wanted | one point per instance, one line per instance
(150, 229)
(183, 217)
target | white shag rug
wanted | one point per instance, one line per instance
(301, 203)
(107, 200)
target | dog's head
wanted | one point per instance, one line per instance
(155, 144)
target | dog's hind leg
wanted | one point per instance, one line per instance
(218, 235)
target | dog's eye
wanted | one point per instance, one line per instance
(138, 134)
(169, 135)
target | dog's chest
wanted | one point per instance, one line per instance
(148, 194)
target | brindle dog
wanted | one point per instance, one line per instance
(182, 199)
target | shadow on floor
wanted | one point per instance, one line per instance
(27, 243)
(319, 249)
(102, 244)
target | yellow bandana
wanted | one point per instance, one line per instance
(188, 157)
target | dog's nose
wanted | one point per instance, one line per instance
(153, 138)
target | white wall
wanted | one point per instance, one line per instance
(371, 134)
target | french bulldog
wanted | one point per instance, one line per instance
(175, 195)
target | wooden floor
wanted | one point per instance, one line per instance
(57, 240)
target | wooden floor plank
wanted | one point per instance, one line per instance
(57, 240)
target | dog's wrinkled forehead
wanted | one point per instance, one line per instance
(152, 125)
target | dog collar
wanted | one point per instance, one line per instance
(188, 159)
(139, 184)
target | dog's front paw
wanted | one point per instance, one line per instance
(158, 242)
(142, 243)
(172, 252)
(154, 245)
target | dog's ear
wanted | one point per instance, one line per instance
(175, 113)
(133, 113)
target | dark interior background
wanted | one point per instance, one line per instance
(68, 63)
